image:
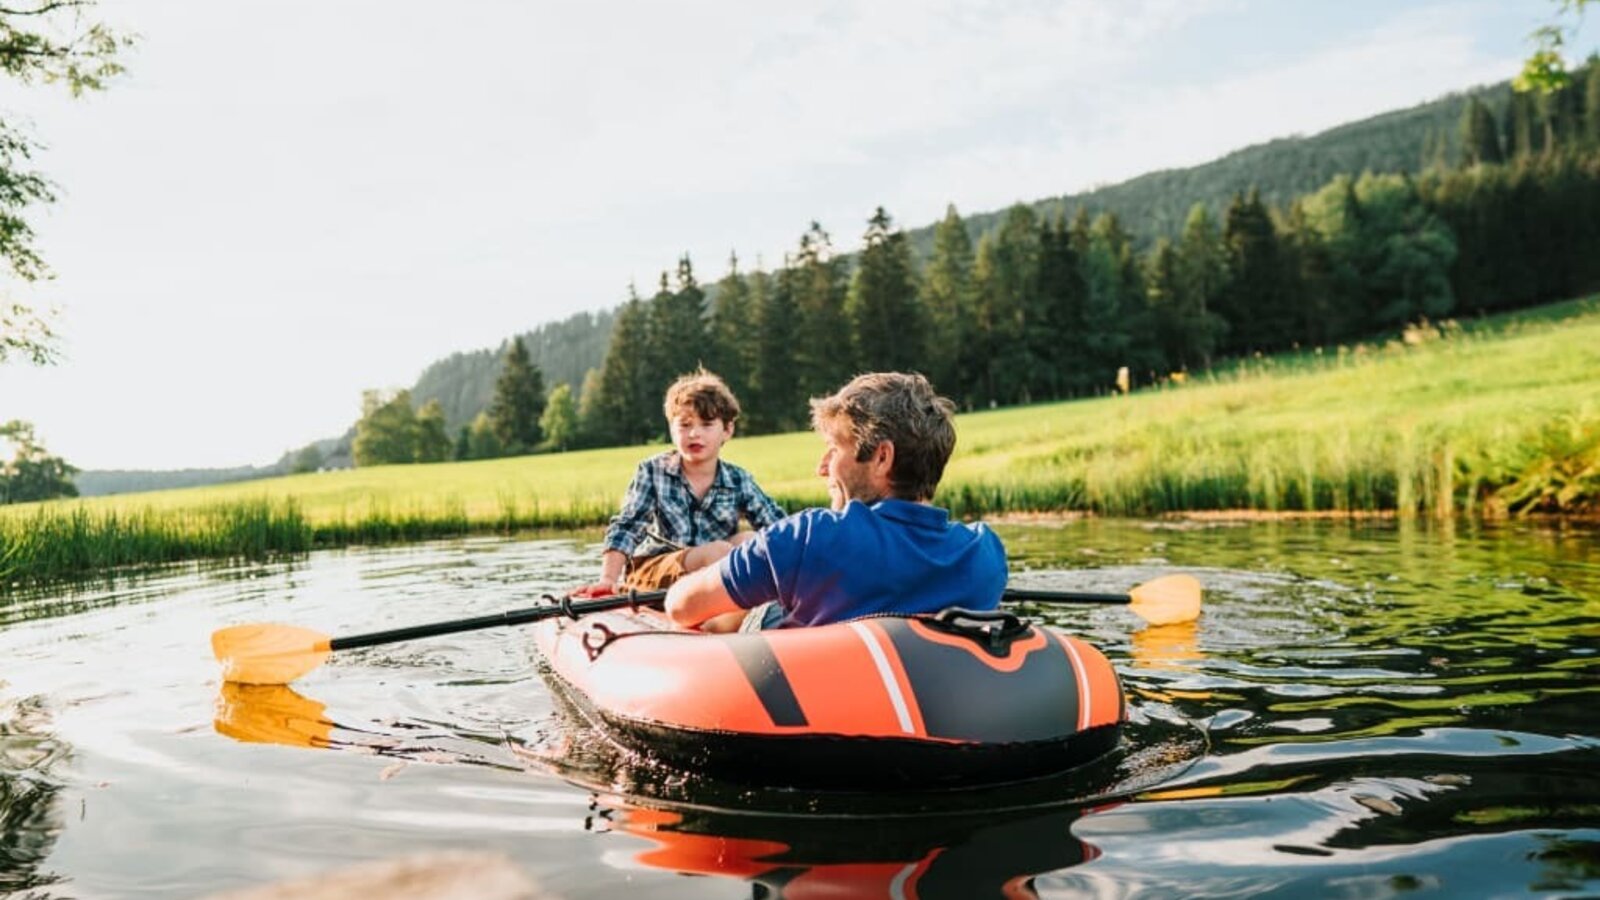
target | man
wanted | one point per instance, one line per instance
(882, 547)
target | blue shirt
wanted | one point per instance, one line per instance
(660, 512)
(894, 556)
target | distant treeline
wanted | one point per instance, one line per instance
(1047, 309)
(1050, 299)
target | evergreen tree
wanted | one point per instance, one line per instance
(1480, 135)
(677, 328)
(947, 295)
(732, 331)
(1256, 304)
(621, 408)
(560, 419)
(886, 322)
(1201, 281)
(822, 345)
(1309, 278)
(463, 447)
(1520, 142)
(1010, 308)
(1116, 327)
(1591, 105)
(518, 402)
(777, 401)
(1062, 292)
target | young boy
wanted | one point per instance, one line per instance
(682, 509)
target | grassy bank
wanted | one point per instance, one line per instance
(1497, 417)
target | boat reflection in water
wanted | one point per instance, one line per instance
(956, 856)
(989, 842)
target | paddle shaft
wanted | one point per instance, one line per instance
(1037, 596)
(495, 620)
(618, 601)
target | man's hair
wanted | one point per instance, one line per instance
(705, 395)
(903, 409)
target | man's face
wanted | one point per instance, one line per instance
(697, 439)
(847, 479)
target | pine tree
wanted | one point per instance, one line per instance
(1591, 105)
(947, 295)
(731, 333)
(886, 322)
(1480, 135)
(822, 354)
(1062, 292)
(1009, 307)
(1202, 279)
(518, 401)
(1519, 124)
(777, 400)
(1255, 304)
(620, 408)
(677, 328)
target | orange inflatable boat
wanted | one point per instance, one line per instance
(878, 703)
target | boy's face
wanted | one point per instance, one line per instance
(697, 439)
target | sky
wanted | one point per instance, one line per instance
(282, 204)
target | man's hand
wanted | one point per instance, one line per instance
(596, 590)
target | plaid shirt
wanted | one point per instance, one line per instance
(659, 510)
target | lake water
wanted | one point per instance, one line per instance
(1363, 710)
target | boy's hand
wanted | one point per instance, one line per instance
(592, 591)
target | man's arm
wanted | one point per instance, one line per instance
(698, 596)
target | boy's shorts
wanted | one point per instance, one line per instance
(654, 573)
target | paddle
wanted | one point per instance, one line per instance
(278, 654)
(1164, 601)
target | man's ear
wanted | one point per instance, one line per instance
(883, 457)
(730, 429)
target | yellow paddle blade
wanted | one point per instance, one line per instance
(1167, 600)
(268, 654)
(271, 714)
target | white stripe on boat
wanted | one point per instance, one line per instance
(885, 673)
(897, 887)
(1083, 682)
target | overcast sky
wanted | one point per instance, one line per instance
(284, 203)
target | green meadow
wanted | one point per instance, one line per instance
(1499, 417)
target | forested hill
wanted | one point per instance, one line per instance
(1149, 206)
(564, 351)
(1155, 205)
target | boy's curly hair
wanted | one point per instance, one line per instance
(704, 394)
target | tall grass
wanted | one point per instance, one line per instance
(1490, 418)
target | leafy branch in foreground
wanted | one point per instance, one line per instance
(47, 41)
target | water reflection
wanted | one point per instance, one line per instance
(1363, 708)
(976, 855)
